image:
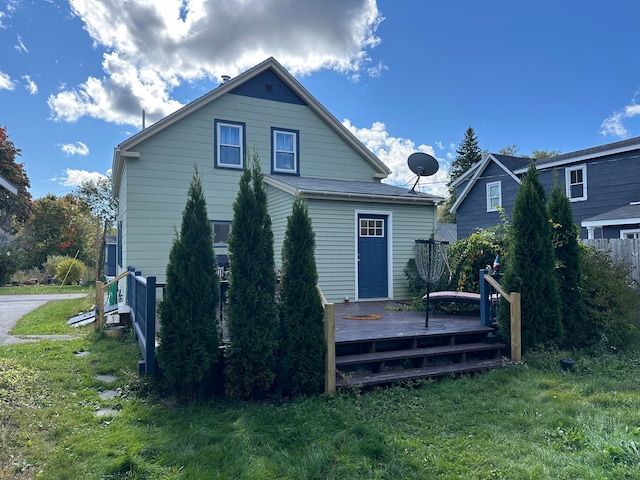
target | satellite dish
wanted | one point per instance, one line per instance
(423, 165)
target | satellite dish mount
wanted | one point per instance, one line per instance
(423, 165)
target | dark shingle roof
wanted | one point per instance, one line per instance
(345, 187)
(628, 212)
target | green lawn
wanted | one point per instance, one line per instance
(37, 289)
(528, 421)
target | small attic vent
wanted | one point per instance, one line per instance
(268, 88)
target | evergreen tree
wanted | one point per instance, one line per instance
(302, 320)
(529, 267)
(252, 318)
(190, 333)
(578, 332)
(469, 154)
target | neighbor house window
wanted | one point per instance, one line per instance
(634, 233)
(221, 231)
(576, 183)
(285, 150)
(494, 196)
(229, 139)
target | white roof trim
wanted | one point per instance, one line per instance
(8, 185)
(472, 181)
(581, 158)
(271, 63)
(607, 223)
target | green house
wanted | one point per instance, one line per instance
(365, 229)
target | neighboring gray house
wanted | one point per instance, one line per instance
(365, 229)
(602, 183)
(4, 183)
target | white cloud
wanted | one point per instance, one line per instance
(615, 124)
(5, 82)
(151, 47)
(394, 152)
(20, 46)
(77, 148)
(30, 85)
(74, 178)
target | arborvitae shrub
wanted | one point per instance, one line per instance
(529, 268)
(578, 332)
(252, 319)
(189, 333)
(302, 345)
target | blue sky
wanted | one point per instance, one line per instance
(404, 76)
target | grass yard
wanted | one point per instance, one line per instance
(529, 421)
(40, 288)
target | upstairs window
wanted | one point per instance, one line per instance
(229, 144)
(494, 196)
(284, 150)
(576, 183)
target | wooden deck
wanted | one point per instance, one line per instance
(377, 343)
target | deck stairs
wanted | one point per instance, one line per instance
(381, 361)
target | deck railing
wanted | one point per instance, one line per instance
(141, 297)
(486, 282)
(330, 339)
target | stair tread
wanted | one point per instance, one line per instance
(417, 352)
(416, 373)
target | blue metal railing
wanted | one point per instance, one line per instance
(141, 297)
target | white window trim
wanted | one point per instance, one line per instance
(294, 134)
(624, 233)
(567, 179)
(218, 144)
(488, 187)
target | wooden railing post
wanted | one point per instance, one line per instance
(97, 325)
(330, 338)
(516, 335)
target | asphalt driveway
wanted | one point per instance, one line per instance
(14, 307)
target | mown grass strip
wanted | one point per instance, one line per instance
(530, 421)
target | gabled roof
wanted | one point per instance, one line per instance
(505, 162)
(125, 149)
(516, 166)
(8, 185)
(348, 190)
(629, 214)
(622, 146)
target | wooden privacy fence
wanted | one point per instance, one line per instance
(621, 250)
(141, 298)
(487, 282)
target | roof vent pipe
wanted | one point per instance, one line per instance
(225, 78)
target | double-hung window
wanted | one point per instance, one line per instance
(285, 157)
(229, 140)
(576, 183)
(221, 231)
(494, 196)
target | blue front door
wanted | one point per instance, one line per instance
(372, 257)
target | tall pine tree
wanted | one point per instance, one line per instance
(189, 333)
(469, 154)
(302, 320)
(529, 267)
(252, 318)
(578, 331)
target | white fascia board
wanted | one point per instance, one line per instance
(581, 158)
(468, 173)
(610, 223)
(8, 185)
(477, 175)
